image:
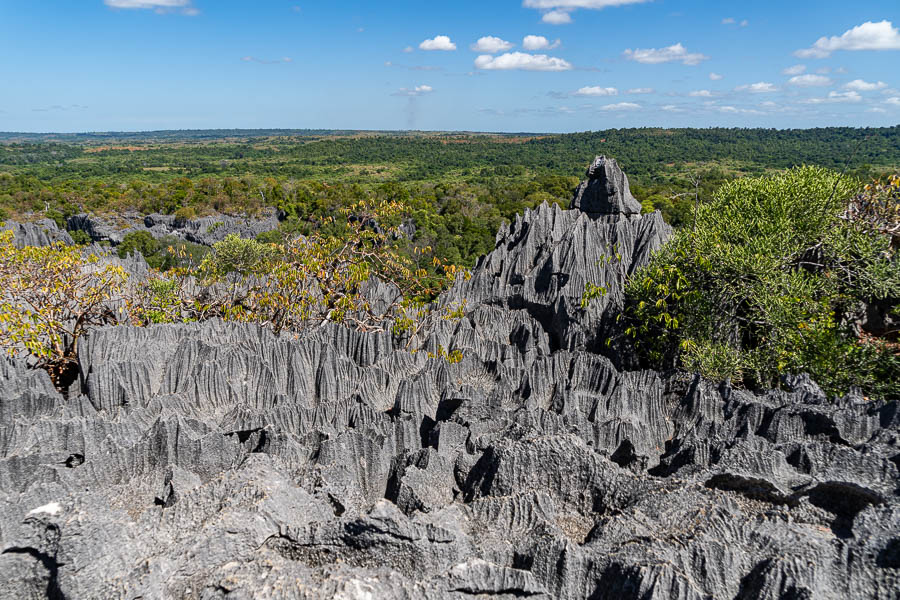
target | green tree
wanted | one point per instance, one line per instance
(770, 280)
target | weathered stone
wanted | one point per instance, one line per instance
(218, 460)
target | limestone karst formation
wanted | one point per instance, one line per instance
(215, 460)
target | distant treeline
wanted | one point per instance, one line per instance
(459, 186)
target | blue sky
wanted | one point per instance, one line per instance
(496, 65)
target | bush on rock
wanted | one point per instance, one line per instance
(774, 276)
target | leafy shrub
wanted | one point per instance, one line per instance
(138, 241)
(186, 213)
(770, 279)
(235, 254)
(49, 297)
(164, 253)
(81, 238)
(304, 282)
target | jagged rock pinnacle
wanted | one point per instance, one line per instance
(605, 191)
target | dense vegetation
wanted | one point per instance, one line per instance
(51, 296)
(776, 275)
(461, 186)
(766, 274)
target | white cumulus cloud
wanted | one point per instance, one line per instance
(538, 42)
(701, 94)
(419, 90)
(620, 106)
(596, 90)
(893, 101)
(795, 70)
(440, 42)
(716, 76)
(860, 85)
(491, 45)
(674, 53)
(868, 36)
(521, 61)
(761, 87)
(185, 7)
(557, 17)
(850, 96)
(810, 80)
(640, 91)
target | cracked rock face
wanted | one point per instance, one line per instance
(203, 230)
(39, 233)
(605, 191)
(216, 460)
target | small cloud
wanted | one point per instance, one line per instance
(491, 45)
(262, 61)
(728, 21)
(640, 91)
(522, 62)
(620, 106)
(850, 96)
(762, 87)
(810, 80)
(419, 90)
(440, 42)
(701, 94)
(59, 108)
(864, 86)
(735, 110)
(868, 36)
(557, 17)
(795, 70)
(876, 109)
(409, 50)
(893, 101)
(655, 56)
(539, 42)
(768, 104)
(744, 23)
(671, 108)
(715, 76)
(596, 90)
(560, 9)
(159, 6)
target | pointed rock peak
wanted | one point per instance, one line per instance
(605, 191)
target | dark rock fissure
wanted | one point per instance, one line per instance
(215, 458)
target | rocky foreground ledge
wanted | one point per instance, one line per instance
(216, 460)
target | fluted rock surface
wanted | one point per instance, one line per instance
(204, 230)
(38, 233)
(605, 191)
(217, 460)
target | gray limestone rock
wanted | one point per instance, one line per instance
(39, 233)
(217, 460)
(605, 191)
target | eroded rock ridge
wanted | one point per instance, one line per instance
(216, 460)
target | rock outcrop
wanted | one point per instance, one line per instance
(204, 230)
(38, 233)
(605, 191)
(216, 460)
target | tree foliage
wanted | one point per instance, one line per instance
(772, 278)
(304, 281)
(49, 297)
